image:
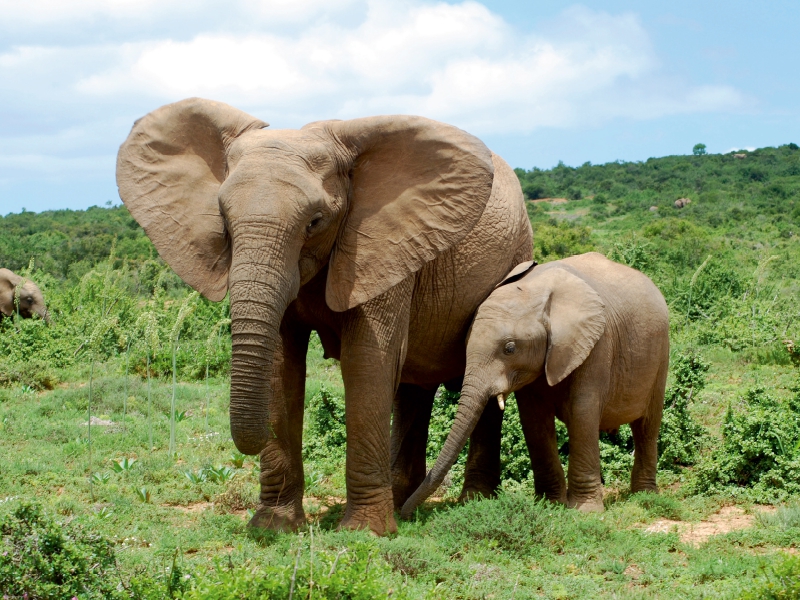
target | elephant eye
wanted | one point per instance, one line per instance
(316, 220)
(510, 347)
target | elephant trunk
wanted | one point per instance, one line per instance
(44, 314)
(474, 397)
(260, 294)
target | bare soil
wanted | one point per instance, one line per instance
(727, 519)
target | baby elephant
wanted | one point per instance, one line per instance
(16, 294)
(583, 339)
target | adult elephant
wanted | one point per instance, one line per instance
(21, 295)
(383, 234)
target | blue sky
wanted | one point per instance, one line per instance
(538, 81)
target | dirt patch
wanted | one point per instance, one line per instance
(197, 507)
(97, 421)
(729, 518)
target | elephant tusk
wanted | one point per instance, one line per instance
(501, 401)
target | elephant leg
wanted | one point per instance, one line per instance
(374, 342)
(482, 472)
(281, 499)
(410, 419)
(538, 420)
(584, 485)
(645, 457)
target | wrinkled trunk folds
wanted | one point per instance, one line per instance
(259, 293)
(470, 407)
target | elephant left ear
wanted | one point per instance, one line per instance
(577, 319)
(418, 187)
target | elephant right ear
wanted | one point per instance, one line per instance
(577, 318)
(169, 172)
(418, 188)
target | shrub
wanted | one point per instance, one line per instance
(681, 437)
(36, 374)
(513, 522)
(41, 558)
(325, 425)
(355, 573)
(780, 581)
(760, 453)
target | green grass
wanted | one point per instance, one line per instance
(486, 549)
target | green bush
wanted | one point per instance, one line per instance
(681, 438)
(760, 453)
(325, 427)
(41, 558)
(354, 573)
(780, 581)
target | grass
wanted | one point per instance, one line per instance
(194, 505)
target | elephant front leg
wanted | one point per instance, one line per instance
(281, 498)
(482, 472)
(374, 340)
(410, 420)
(538, 420)
(584, 484)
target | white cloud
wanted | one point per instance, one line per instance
(294, 61)
(452, 62)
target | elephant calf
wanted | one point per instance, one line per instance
(18, 295)
(583, 339)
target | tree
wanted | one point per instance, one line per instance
(699, 149)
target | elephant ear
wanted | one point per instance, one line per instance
(418, 188)
(169, 172)
(576, 321)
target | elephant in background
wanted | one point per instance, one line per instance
(383, 234)
(583, 339)
(21, 295)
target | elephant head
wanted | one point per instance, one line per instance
(231, 206)
(536, 321)
(20, 295)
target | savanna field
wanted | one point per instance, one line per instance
(119, 479)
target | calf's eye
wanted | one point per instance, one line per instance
(509, 348)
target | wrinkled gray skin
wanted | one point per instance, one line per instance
(31, 300)
(383, 234)
(583, 339)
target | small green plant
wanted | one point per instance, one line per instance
(103, 513)
(196, 477)
(237, 459)
(101, 478)
(144, 495)
(181, 416)
(313, 481)
(219, 474)
(123, 466)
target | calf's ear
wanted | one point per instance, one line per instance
(577, 319)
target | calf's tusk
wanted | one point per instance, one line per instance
(501, 401)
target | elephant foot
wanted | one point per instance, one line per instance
(644, 487)
(476, 492)
(278, 518)
(587, 504)
(378, 519)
